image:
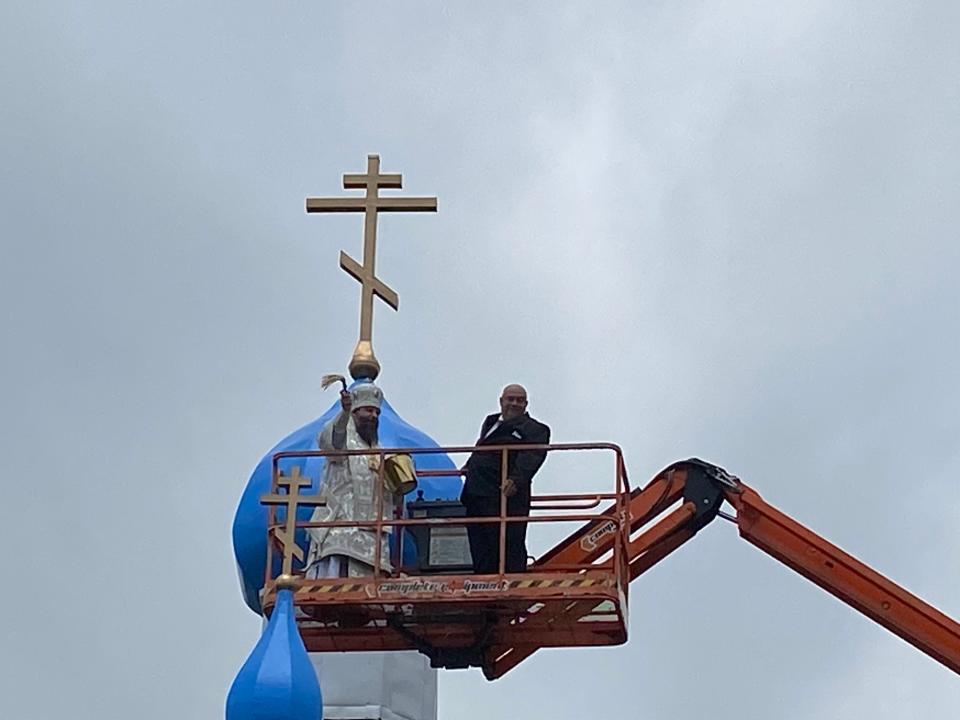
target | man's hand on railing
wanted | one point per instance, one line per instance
(509, 487)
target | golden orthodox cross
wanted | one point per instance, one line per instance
(364, 363)
(293, 483)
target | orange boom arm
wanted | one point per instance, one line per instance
(686, 496)
(842, 575)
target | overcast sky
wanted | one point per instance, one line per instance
(720, 229)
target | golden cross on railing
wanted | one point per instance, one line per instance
(364, 362)
(293, 483)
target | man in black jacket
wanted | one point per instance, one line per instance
(481, 490)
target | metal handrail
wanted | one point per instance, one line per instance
(379, 523)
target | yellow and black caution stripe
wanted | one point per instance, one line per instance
(571, 582)
(325, 588)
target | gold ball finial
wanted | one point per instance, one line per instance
(286, 582)
(363, 364)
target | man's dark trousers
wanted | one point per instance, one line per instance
(485, 537)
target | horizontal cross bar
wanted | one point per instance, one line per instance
(407, 204)
(360, 180)
(388, 204)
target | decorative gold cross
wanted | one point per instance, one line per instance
(364, 363)
(293, 483)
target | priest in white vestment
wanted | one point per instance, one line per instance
(349, 485)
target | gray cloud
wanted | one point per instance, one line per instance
(716, 230)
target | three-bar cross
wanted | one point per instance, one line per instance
(371, 204)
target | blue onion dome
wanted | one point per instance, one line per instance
(250, 522)
(277, 682)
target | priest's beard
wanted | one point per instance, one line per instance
(367, 430)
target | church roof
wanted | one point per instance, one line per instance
(278, 681)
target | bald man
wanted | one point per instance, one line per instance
(481, 490)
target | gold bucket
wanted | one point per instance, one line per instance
(399, 475)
